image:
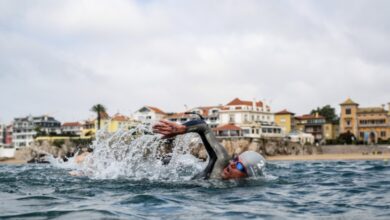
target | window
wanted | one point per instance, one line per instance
(361, 134)
(383, 133)
(348, 123)
(231, 118)
(347, 111)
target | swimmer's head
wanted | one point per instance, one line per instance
(253, 162)
(247, 164)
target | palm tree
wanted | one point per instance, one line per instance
(99, 109)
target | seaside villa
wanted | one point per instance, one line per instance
(367, 124)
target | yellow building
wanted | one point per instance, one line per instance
(331, 131)
(285, 120)
(367, 124)
(119, 121)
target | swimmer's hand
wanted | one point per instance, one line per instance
(169, 129)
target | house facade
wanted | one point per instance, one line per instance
(209, 113)
(331, 131)
(147, 114)
(72, 128)
(26, 128)
(367, 124)
(312, 124)
(253, 117)
(285, 120)
(119, 121)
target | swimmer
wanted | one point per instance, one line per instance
(247, 164)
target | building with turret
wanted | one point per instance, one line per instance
(368, 124)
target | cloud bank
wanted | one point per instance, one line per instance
(62, 57)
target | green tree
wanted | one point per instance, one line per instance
(99, 109)
(326, 111)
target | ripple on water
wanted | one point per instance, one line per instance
(145, 200)
(300, 191)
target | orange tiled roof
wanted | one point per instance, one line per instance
(284, 112)
(71, 124)
(157, 110)
(238, 101)
(227, 127)
(119, 117)
(303, 117)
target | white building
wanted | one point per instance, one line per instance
(148, 114)
(301, 137)
(25, 129)
(242, 112)
(210, 115)
(254, 118)
(72, 128)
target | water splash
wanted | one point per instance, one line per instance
(139, 154)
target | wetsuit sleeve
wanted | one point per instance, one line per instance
(213, 148)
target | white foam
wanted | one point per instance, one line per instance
(137, 154)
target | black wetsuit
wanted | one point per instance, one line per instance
(218, 156)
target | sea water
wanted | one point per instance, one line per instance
(125, 178)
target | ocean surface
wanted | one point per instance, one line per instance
(289, 190)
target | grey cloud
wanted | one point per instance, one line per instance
(129, 53)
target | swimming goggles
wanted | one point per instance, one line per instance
(238, 165)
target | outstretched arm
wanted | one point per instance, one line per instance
(213, 148)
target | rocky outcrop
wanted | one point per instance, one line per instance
(268, 147)
(38, 150)
(234, 146)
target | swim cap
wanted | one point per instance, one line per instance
(253, 162)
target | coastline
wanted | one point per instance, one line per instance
(314, 157)
(12, 161)
(319, 157)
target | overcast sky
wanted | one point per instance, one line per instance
(62, 57)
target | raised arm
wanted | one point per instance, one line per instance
(214, 149)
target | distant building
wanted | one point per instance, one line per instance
(72, 128)
(285, 120)
(228, 130)
(26, 128)
(119, 121)
(104, 120)
(367, 124)
(331, 131)
(253, 117)
(2, 134)
(179, 117)
(312, 124)
(301, 137)
(148, 114)
(8, 135)
(88, 129)
(209, 113)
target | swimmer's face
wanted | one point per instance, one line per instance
(234, 170)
